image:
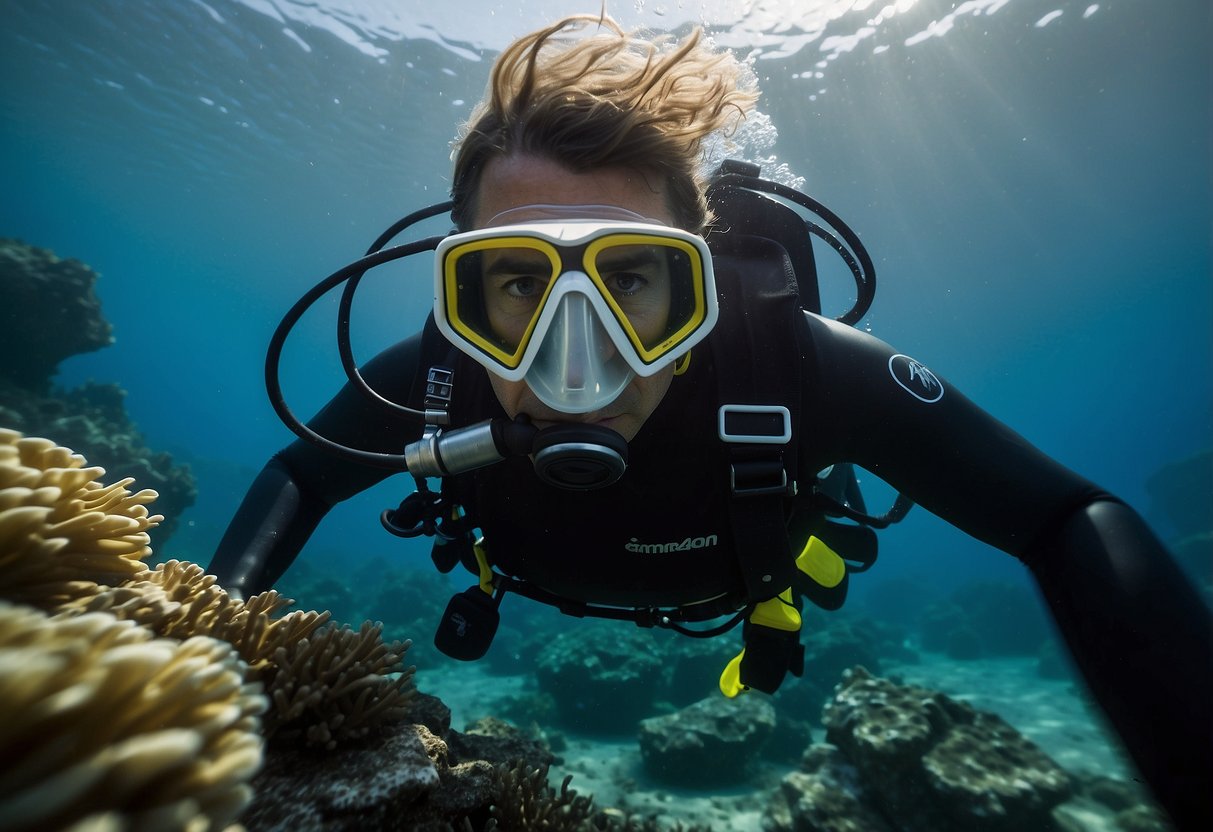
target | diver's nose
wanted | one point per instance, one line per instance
(582, 340)
(578, 367)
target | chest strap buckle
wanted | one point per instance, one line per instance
(759, 477)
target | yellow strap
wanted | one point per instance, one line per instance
(777, 613)
(486, 571)
(730, 680)
(821, 563)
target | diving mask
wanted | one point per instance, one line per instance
(575, 307)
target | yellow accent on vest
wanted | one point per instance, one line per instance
(730, 680)
(777, 613)
(486, 571)
(821, 563)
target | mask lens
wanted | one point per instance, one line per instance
(495, 290)
(654, 287)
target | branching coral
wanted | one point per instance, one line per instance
(133, 705)
(526, 801)
(334, 686)
(523, 800)
(178, 599)
(62, 533)
(103, 719)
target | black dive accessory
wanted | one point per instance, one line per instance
(743, 204)
(574, 455)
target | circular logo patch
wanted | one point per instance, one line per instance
(915, 379)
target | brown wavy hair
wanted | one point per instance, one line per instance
(610, 99)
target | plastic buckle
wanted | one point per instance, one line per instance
(439, 388)
(754, 424)
(756, 478)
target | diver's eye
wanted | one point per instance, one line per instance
(524, 287)
(626, 283)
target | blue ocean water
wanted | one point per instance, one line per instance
(1032, 178)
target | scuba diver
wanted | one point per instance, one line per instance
(635, 411)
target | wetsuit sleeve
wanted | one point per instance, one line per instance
(302, 482)
(1137, 628)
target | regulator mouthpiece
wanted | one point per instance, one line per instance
(573, 456)
(579, 457)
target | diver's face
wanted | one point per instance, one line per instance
(521, 180)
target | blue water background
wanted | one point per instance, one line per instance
(1034, 188)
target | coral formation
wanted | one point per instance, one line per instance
(406, 776)
(824, 796)
(932, 763)
(50, 312)
(711, 742)
(604, 679)
(334, 686)
(523, 800)
(373, 785)
(178, 599)
(62, 533)
(131, 695)
(102, 720)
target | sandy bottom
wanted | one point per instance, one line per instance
(1054, 714)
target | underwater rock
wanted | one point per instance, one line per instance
(496, 741)
(693, 667)
(430, 711)
(406, 777)
(359, 787)
(824, 796)
(51, 312)
(713, 742)
(604, 678)
(932, 764)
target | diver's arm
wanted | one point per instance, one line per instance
(268, 531)
(1139, 632)
(302, 482)
(1142, 638)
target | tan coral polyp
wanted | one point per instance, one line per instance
(61, 531)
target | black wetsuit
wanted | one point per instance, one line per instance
(1138, 630)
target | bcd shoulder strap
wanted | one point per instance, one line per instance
(757, 358)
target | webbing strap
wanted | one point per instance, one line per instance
(757, 360)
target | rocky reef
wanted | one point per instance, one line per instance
(713, 742)
(902, 758)
(50, 311)
(604, 679)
